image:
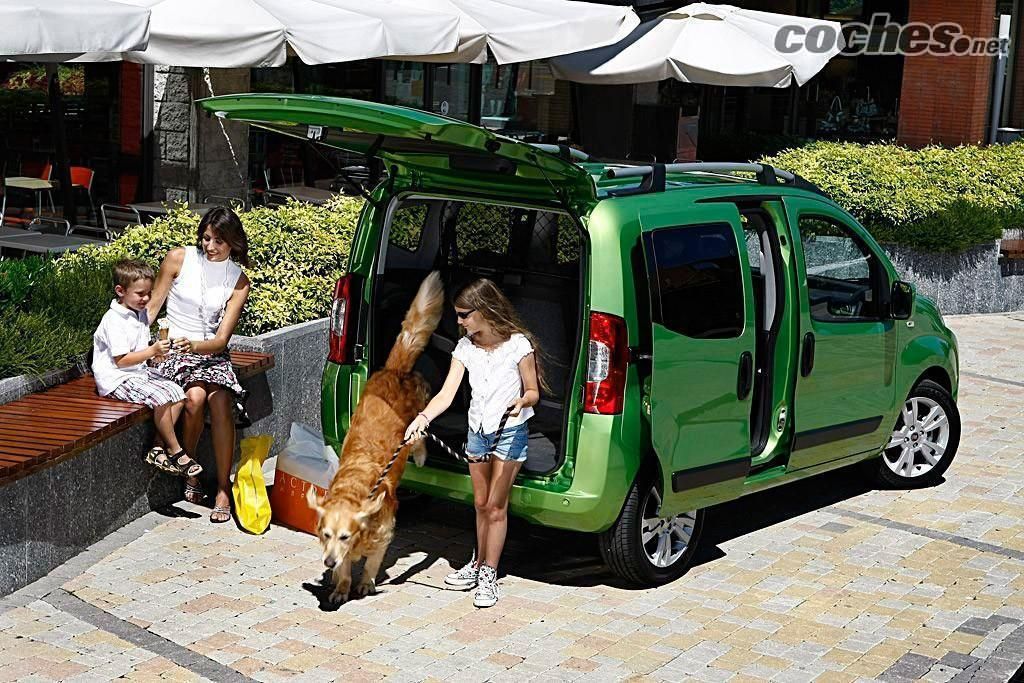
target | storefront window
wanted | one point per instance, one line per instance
(525, 101)
(404, 84)
(102, 125)
(450, 92)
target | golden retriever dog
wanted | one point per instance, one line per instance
(350, 525)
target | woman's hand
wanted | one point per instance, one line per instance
(184, 345)
(417, 428)
(517, 406)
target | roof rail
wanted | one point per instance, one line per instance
(564, 151)
(653, 176)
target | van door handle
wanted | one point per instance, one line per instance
(807, 357)
(745, 376)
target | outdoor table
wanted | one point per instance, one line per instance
(41, 243)
(29, 184)
(161, 208)
(17, 232)
(310, 195)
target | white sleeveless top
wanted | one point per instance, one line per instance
(183, 301)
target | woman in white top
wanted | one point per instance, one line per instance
(499, 354)
(205, 290)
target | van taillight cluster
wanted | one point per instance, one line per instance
(342, 335)
(608, 353)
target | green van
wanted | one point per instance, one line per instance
(709, 330)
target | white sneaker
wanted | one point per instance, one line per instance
(486, 588)
(465, 577)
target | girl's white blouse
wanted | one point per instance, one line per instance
(495, 381)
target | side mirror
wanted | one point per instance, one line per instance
(901, 301)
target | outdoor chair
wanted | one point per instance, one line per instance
(227, 200)
(116, 218)
(93, 232)
(272, 198)
(81, 178)
(50, 226)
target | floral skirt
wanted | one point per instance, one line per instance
(188, 368)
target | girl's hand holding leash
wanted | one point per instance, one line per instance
(516, 406)
(417, 429)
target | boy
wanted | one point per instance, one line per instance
(121, 347)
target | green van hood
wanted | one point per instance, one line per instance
(431, 151)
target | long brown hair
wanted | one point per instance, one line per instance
(484, 297)
(226, 225)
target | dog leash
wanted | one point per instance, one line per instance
(452, 452)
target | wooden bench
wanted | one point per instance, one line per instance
(41, 429)
(1011, 249)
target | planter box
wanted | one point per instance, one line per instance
(973, 281)
(55, 513)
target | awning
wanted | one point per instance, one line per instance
(47, 31)
(524, 30)
(704, 43)
(255, 33)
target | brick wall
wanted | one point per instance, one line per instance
(946, 99)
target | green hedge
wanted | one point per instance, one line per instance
(49, 309)
(935, 199)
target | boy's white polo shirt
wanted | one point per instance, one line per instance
(121, 331)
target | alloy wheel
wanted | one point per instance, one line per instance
(919, 440)
(665, 539)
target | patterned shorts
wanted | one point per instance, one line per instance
(152, 391)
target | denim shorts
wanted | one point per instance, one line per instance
(511, 446)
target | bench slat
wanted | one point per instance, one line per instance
(43, 428)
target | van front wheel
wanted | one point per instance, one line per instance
(646, 548)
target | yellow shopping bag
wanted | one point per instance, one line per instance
(249, 490)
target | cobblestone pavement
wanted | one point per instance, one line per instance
(827, 580)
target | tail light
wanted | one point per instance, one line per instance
(343, 334)
(606, 365)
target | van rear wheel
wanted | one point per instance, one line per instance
(646, 548)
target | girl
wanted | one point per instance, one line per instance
(205, 290)
(500, 355)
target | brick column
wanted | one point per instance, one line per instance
(946, 99)
(172, 116)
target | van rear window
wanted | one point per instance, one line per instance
(696, 281)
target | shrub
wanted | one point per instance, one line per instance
(33, 343)
(936, 198)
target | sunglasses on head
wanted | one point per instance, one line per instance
(462, 315)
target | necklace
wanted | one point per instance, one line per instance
(202, 293)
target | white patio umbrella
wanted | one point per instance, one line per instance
(254, 33)
(523, 30)
(47, 31)
(702, 43)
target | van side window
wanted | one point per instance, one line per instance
(407, 226)
(696, 281)
(841, 271)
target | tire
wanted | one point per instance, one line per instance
(918, 456)
(626, 554)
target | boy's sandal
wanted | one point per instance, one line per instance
(157, 457)
(185, 464)
(220, 514)
(194, 494)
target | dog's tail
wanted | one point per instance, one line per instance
(420, 322)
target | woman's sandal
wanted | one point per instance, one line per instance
(185, 464)
(220, 514)
(194, 494)
(158, 458)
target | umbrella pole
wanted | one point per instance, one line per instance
(60, 140)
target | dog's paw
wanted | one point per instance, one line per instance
(364, 588)
(338, 597)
